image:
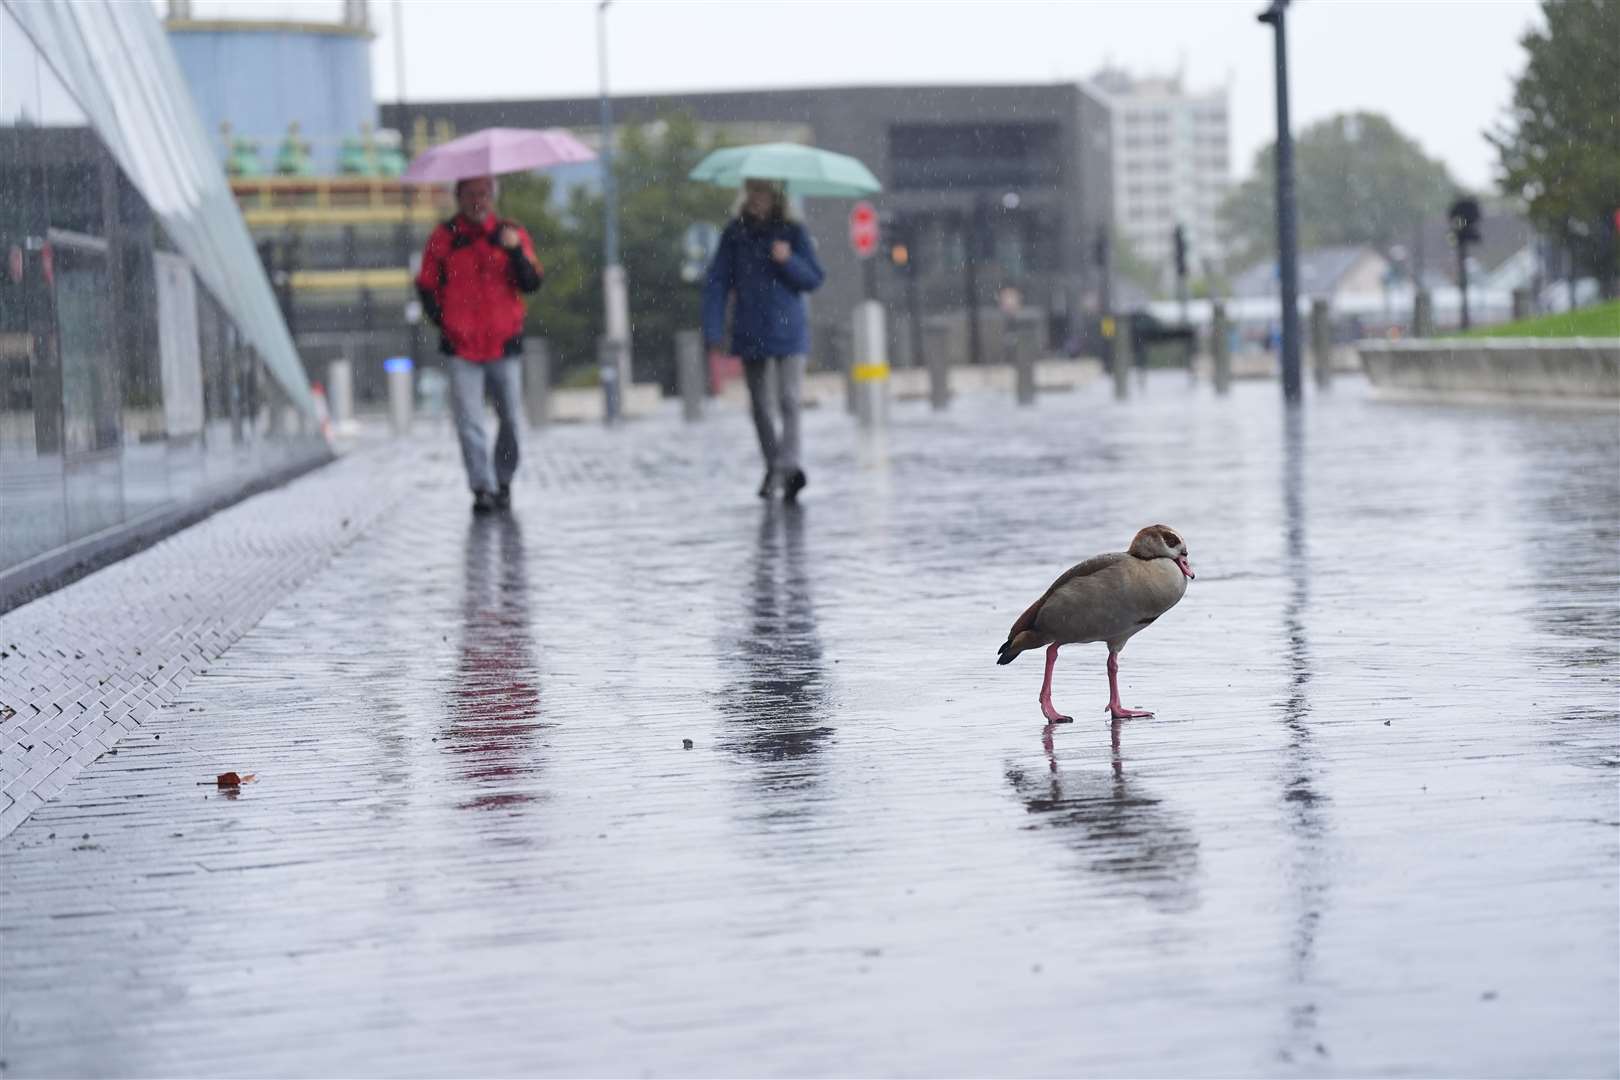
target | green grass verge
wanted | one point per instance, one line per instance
(1600, 320)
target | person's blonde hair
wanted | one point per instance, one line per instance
(780, 212)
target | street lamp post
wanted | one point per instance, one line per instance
(1287, 240)
(615, 352)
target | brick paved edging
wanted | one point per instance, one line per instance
(56, 569)
(84, 666)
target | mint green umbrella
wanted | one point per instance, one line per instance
(805, 169)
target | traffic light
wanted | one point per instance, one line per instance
(1179, 237)
(1465, 219)
(897, 242)
(1464, 231)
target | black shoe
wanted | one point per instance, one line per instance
(796, 482)
(483, 502)
(503, 497)
(767, 485)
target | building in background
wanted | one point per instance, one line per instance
(145, 369)
(1002, 192)
(286, 96)
(290, 95)
(1334, 274)
(1171, 166)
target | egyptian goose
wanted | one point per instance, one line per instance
(1106, 598)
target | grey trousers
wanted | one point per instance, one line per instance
(505, 381)
(781, 455)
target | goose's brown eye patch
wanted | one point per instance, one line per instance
(1171, 538)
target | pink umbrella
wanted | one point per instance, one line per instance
(493, 151)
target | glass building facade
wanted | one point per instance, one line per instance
(144, 365)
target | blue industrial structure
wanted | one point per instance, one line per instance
(255, 78)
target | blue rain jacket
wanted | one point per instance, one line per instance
(769, 318)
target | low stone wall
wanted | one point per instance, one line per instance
(1260, 364)
(1573, 371)
(586, 404)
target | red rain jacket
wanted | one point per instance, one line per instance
(472, 287)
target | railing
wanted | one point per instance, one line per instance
(294, 200)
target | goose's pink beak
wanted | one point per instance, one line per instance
(1186, 567)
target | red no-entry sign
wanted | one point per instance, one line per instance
(863, 229)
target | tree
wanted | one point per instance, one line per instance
(1358, 180)
(656, 205)
(564, 309)
(1559, 149)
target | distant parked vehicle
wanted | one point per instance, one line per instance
(1147, 330)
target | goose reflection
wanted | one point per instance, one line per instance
(775, 698)
(495, 698)
(1124, 834)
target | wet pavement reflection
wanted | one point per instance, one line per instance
(494, 711)
(650, 778)
(775, 693)
(1118, 828)
(1306, 810)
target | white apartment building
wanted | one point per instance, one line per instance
(1172, 165)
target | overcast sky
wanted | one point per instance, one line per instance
(1441, 69)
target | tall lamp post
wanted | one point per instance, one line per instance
(615, 349)
(1287, 240)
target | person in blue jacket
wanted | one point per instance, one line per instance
(766, 262)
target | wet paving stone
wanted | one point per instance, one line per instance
(1372, 829)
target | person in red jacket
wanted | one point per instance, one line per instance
(475, 270)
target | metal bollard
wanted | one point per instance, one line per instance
(1124, 358)
(936, 338)
(608, 353)
(340, 391)
(401, 392)
(1321, 344)
(1025, 348)
(1521, 304)
(869, 371)
(846, 358)
(1220, 348)
(689, 373)
(1422, 314)
(537, 382)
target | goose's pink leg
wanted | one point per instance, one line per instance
(1115, 709)
(1047, 710)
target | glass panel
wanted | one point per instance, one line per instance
(136, 300)
(90, 391)
(122, 69)
(945, 157)
(32, 514)
(126, 385)
(179, 354)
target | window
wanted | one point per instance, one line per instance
(932, 157)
